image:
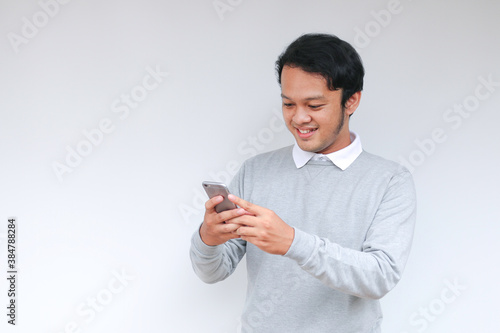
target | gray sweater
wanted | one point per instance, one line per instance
(353, 232)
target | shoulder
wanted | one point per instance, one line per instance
(378, 164)
(274, 157)
(377, 169)
(261, 168)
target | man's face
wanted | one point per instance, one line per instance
(313, 113)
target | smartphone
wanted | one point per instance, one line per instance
(214, 189)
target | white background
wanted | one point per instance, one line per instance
(131, 204)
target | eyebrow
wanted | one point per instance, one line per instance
(308, 98)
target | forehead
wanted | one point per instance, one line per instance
(295, 75)
(299, 84)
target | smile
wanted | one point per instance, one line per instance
(307, 131)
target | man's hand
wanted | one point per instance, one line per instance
(261, 227)
(214, 231)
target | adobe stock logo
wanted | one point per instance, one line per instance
(267, 304)
(381, 20)
(425, 315)
(94, 137)
(453, 116)
(30, 28)
(88, 310)
(223, 6)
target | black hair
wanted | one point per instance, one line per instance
(336, 60)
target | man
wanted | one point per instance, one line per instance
(326, 226)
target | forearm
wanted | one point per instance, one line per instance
(364, 274)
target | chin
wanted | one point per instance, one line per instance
(309, 148)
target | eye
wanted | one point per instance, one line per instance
(287, 105)
(314, 107)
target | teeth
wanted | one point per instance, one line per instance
(305, 131)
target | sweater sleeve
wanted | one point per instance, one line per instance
(375, 269)
(215, 263)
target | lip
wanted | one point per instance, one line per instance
(305, 135)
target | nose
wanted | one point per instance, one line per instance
(301, 116)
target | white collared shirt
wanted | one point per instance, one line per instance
(341, 158)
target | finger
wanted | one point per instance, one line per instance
(248, 206)
(246, 232)
(228, 228)
(211, 203)
(244, 220)
(230, 214)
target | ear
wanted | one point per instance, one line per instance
(352, 103)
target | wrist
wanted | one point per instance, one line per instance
(205, 237)
(290, 235)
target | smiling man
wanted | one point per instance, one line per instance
(315, 114)
(326, 226)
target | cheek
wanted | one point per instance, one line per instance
(287, 116)
(326, 120)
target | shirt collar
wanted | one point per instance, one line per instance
(342, 158)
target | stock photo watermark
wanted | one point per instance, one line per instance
(89, 309)
(30, 27)
(421, 319)
(12, 274)
(454, 118)
(122, 106)
(248, 147)
(270, 303)
(373, 28)
(224, 6)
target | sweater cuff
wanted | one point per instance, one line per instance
(302, 247)
(203, 249)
